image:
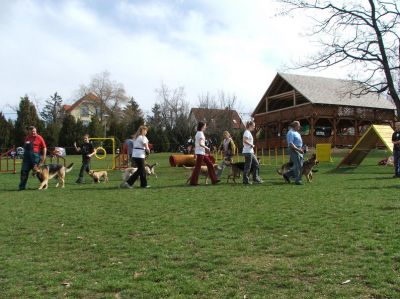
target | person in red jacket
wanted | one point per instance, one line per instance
(34, 145)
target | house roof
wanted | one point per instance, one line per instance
(86, 98)
(320, 90)
(201, 114)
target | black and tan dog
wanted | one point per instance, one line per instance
(307, 169)
(237, 169)
(48, 171)
(98, 175)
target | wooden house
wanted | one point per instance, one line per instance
(329, 111)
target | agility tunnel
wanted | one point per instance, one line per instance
(187, 160)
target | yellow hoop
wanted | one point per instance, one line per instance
(100, 148)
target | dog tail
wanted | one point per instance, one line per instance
(69, 167)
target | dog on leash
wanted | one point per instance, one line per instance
(48, 171)
(307, 169)
(98, 175)
(237, 169)
(203, 172)
(150, 169)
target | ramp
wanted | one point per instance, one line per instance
(366, 143)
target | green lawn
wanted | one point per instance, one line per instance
(338, 237)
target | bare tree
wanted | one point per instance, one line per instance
(110, 93)
(174, 112)
(364, 34)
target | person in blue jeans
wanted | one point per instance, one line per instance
(396, 150)
(250, 159)
(296, 152)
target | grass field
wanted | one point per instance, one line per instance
(338, 237)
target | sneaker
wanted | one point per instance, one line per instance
(146, 187)
(286, 178)
(299, 183)
(258, 182)
(216, 182)
(246, 183)
(79, 181)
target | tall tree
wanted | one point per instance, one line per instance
(174, 111)
(68, 134)
(26, 116)
(52, 114)
(364, 34)
(110, 93)
(7, 131)
(132, 118)
(52, 111)
(96, 128)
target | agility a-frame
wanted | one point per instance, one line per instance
(367, 142)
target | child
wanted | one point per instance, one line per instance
(87, 151)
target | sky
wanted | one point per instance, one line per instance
(234, 46)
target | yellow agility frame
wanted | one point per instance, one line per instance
(102, 148)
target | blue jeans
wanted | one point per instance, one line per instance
(250, 163)
(297, 168)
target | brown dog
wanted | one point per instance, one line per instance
(48, 171)
(307, 169)
(203, 172)
(98, 175)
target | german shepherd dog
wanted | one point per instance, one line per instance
(97, 175)
(307, 169)
(203, 172)
(48, 171)
(237, 169)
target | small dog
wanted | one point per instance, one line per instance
(127, 172)
(307, 169)
(48, 171)
(203, 172)
(97, 175)
(150, 169)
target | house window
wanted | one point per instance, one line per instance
(98, 110)
(84, 111)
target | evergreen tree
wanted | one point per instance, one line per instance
(132, 118)
(68, 134)
(52, 115)
(53, 111)
(95, 128)
(7, 130)
(26, 116)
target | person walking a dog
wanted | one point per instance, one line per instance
(250, 160)
(200, 152)
(296, 152)
(396, 149)
(228, 147)
(140, 149)
(34, 144)
(87, 150)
